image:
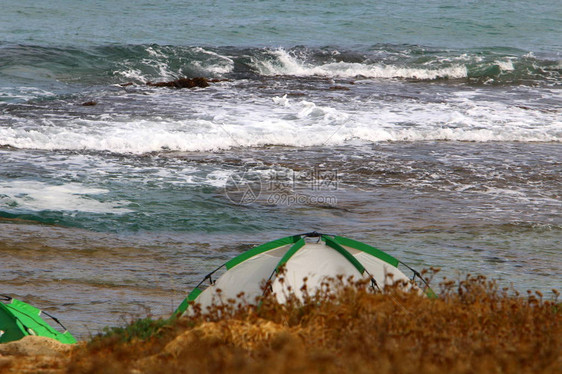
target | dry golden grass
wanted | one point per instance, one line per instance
(472, 327)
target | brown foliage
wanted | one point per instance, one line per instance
(471, 327)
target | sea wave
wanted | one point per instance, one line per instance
(141, 63)
(283, 121)
(412, 63)
(285, 63)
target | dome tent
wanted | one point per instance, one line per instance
(313, 256)
(19, 319)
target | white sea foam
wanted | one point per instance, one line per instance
(505, 65)
(158, 66)
(132, 74)
(260, 121)
(286, 64)
(214, 63)
(11, 94)
(153, 52)
(38, 196)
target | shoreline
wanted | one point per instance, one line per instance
(90, 280)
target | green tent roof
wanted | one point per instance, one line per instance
(19, 319)
(245, 271)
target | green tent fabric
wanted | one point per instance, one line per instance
(313, 256)
(19, 319)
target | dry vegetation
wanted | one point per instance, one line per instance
(472, 327)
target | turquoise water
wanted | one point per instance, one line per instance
(446, 24)
(431, 130)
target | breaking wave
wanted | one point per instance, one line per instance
(286, 122)
(142, 63)
(286, 63)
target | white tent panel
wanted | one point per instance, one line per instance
(316, 262)
(383, 273)
(245, 277)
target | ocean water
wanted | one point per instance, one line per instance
(430, 130)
